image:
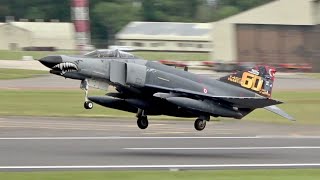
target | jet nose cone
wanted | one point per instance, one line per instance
(51, 61)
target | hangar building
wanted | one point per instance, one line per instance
(282, 31)
(18, 35)
(166, 36)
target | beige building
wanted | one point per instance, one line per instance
(166, 36)
(18, 35)
(279, 31)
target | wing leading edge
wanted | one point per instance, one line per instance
(241, 102)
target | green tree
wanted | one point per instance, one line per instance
(113, 16)
(224, 12)
(34, 13)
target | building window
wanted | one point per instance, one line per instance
(200, 46)
(185, 45)
(157, 44)
(208, 46)
(138, 44)
(121, 43)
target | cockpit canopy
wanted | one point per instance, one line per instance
(109, 53)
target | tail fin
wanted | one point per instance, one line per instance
(258, 79)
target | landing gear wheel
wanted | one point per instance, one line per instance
(200, 124)
(143, 122)
(88, 105)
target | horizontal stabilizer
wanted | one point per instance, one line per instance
(280, 112)
(250, 102)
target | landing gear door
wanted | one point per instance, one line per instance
(118, 72)
(98, 84)
(107, 69)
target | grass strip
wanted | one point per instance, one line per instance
(267, 174)
(6, 74)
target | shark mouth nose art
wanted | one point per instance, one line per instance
(65, 67)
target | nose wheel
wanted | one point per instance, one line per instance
(200, 124)
(88, 105)
(85, 86)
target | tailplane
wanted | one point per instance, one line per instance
(258, 79)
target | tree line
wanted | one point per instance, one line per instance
(108, 16)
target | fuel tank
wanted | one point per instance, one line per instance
(113, 102)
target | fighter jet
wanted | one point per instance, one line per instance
(151, 88)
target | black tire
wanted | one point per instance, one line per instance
(143, 122)
(88, 105)
(200, 124)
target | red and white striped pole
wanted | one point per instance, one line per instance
(80, 18)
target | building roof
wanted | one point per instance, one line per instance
(165, 31)
(285, 12)
(48, 30)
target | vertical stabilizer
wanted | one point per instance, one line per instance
(259, 79)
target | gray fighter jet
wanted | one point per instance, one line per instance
(150, 88)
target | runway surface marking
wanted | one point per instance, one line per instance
(229, 148)
(156, 137)
(164, 166)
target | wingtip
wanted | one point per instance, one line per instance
(292, 119)
(280, 112)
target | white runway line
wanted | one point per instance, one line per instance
(120, 137)
(165, 166)
(156, 137)
(229, 148)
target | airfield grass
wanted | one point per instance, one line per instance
(283, 174)
(173, 56)
(51, 103)
(303, 106)
(19, 73)
(312, 75)
(17, 55)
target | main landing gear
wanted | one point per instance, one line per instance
(142, 121)
(201, 122)
(85, 86)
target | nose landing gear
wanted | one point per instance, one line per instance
(85, 86)
(88, 105)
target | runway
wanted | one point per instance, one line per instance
(108, 144)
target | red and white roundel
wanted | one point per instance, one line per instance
(205, 90)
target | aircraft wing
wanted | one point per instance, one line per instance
(240, 102)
